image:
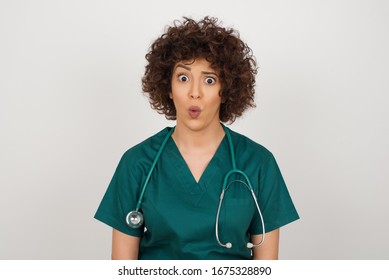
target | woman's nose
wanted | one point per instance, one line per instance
(195, 91)
(194, 96)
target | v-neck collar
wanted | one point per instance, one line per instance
(185, 175)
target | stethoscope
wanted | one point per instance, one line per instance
(134, 219)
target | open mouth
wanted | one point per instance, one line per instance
(194, 111)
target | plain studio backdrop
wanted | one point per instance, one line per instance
(71, 104)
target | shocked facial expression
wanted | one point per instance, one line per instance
(196, 89)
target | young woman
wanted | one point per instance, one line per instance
(198, 190)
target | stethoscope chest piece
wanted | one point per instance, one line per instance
(134, 219)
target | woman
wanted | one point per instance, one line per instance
(200, 75)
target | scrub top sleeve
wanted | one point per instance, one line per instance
(274, 199)
(120, 198)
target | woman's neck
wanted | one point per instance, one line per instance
(207, 138)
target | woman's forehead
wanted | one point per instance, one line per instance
(195, 62)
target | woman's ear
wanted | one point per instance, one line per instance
(171, 95)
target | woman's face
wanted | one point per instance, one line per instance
(196, 94)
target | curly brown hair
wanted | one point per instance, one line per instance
(224, 50)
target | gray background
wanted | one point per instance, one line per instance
(71, 104)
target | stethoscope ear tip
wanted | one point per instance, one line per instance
(250, 245)
(228, 245)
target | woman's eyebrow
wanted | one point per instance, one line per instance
(209, 73)
(184, 66)
(189, 69)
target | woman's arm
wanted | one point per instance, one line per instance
(269, 249)
(124, 247)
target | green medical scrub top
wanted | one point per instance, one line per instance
(180, 213)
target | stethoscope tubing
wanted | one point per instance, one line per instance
(134, 218)
(140, 200)
(250, 188)
(137, 215)
(225, 187)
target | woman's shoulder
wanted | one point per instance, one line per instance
(147, 148)
(244, 144)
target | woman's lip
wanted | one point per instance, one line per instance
(194, 111)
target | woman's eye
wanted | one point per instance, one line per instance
(183, 78)
(210, 81)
